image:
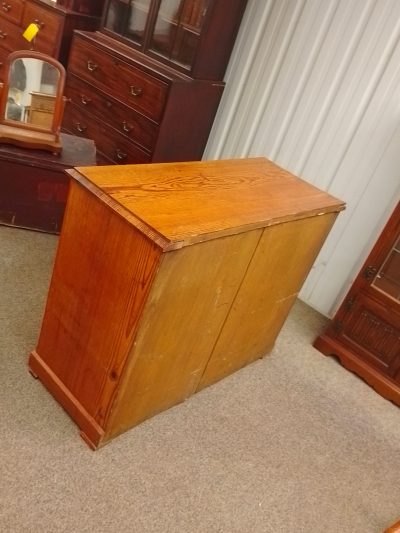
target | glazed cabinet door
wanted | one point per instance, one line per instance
(368, 322)
(193, 36)
(365, 332)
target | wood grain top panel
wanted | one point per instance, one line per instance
(178, 204)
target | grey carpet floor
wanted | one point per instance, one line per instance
(293, 443)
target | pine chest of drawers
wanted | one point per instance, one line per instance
(169, 277)
(134, 108)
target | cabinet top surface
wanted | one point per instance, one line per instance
(75, 151)
(178, 204)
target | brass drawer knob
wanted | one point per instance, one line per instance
(119, 154)
(85, 99)
(91, 65)
(39, 23)
(80, 127)
(126, 127)
(136, 91)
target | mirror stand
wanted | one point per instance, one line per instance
(32, 101)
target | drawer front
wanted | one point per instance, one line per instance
(108, 141)
(12, 10)
(11, 37)
(42, 103)
(127, 83)
(124, 119)
(50, 28)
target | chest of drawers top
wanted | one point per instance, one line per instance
(225, 197)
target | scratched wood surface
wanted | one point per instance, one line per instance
(274, 277)
(184, 314)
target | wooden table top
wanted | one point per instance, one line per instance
(178, 204)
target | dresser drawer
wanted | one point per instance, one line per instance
(43, 102)
(11, 37)
(50, 28)
(128, 84)
(12, 10)
(124, 119)
(108, 141)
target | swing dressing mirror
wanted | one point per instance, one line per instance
(32, 101)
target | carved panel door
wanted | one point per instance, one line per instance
(365, 333)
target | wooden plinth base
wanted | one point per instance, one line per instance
(91, 432)
(382, 384)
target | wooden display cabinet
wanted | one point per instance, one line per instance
(88, 7)
(365, 332)
(147, 86)
(169, 277)
(136, 111)
(194, 36)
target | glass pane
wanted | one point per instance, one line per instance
(128, 18)
(177, 29)
(388, 277)
(32, 88)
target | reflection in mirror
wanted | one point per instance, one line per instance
(32, 101)
(32, 91)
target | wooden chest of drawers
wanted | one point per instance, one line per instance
(41, 111)
(56, 25)
(168, 278)
(134, 108)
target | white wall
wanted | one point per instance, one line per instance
(314, 85)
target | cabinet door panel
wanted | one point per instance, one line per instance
(177, 30)
(373, 331)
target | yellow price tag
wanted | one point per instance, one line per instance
(31, 32)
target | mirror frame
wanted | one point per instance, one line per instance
(25, 134)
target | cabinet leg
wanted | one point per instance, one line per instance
(32, 373)
(91, 445)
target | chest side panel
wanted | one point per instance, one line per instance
(102, 273)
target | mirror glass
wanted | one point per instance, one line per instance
(32, 90)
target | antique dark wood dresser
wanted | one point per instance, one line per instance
(146, 87)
